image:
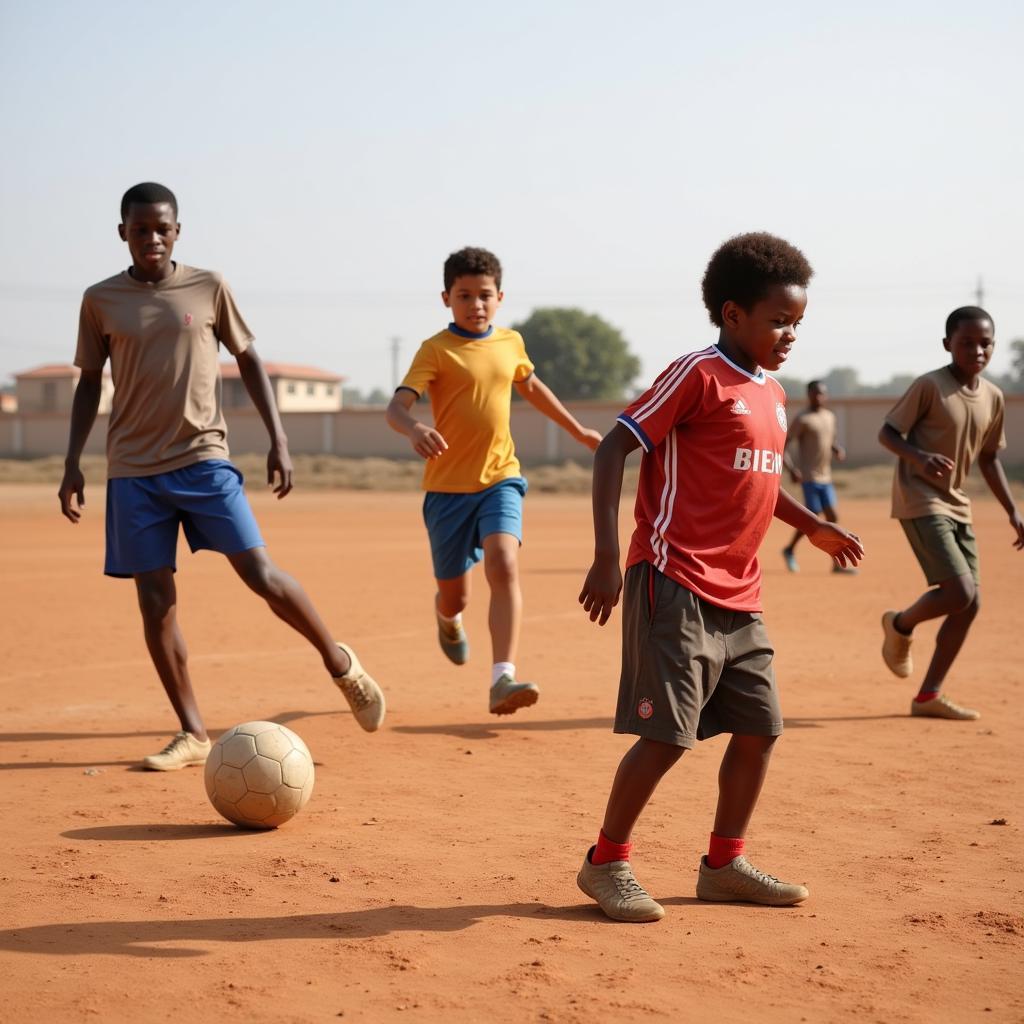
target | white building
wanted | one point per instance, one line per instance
(296, 388)
(51, 388)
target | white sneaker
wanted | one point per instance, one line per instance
(361, 691)
(184, 750)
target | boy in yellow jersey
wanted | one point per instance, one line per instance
(473, 505)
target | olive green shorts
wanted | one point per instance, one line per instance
(690, 669)
(944, 547)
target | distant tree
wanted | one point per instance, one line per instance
(793, 387)
(578, 354)
(1017, 363)
(843, 380)
(378, 396)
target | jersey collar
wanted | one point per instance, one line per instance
(460, 333)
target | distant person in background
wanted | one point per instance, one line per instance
(161, 325)
(813, 431)
(946, 420)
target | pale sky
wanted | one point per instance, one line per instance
(328, 156)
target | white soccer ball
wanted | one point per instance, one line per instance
(259, 774)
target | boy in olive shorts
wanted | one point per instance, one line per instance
(946, 420)
(696, 660)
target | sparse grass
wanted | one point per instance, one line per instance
(326, 472)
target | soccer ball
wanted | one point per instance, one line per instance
(259, 774)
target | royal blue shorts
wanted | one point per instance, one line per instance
(818, 497)
(143, 513)
(458, 523)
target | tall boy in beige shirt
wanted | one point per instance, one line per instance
(946, 420)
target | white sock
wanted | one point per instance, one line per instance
(455, 620)
(502, 668)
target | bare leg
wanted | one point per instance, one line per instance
(288, 601)
(453, 595)
(740, 778)
(637, 777)
(949, 597)
(158, 598)
(501, 566)
(792, 544)
(950, 638)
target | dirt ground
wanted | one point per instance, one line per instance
(432, 876)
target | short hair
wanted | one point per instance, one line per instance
(958, 316)
(746, 267)
(147, 192)
(471, 260)
(815, 385)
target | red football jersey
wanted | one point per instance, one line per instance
(713, 437)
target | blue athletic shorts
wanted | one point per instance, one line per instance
(458, 523)
(818, 497)
(143, 513)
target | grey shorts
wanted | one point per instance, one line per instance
(691, 670)
(944, 547)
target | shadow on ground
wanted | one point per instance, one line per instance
(160, 832)
(491, 730)
(146, 938)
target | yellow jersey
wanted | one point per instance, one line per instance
(469, 379)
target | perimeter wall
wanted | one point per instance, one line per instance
(360, 432)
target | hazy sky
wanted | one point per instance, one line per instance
(328, 156)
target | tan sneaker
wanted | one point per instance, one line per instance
(617, 892)
(942, 707)
(740, 882)
(896, 647)
(508, 696)
(182, 751)
(361, 691)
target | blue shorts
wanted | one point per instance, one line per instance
(458, 523)
(818, 497)
(143, 513)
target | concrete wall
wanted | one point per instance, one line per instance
(359, 432)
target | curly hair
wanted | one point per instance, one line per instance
(745, 267)
(145, 193)
(958, 316)
(471, 261)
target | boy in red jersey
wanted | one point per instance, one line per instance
(696, 660)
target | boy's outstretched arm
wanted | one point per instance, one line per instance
(845, 547)
(929, 463)
(542, 398)
(992, 470)
(84, 407)
(257, 383)
(603, 585)
(426, 441)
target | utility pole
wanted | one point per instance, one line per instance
(979, 293)
(396, 347)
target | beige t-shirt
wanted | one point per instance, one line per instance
(814, 431)
(162, 341)
(937, 414)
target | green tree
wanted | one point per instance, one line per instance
(1017, 363)
(578, 354)
(842, 380)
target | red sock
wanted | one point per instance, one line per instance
(925, 695)
(606, 851)
(722, 850)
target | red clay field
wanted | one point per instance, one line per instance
(432, 875)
